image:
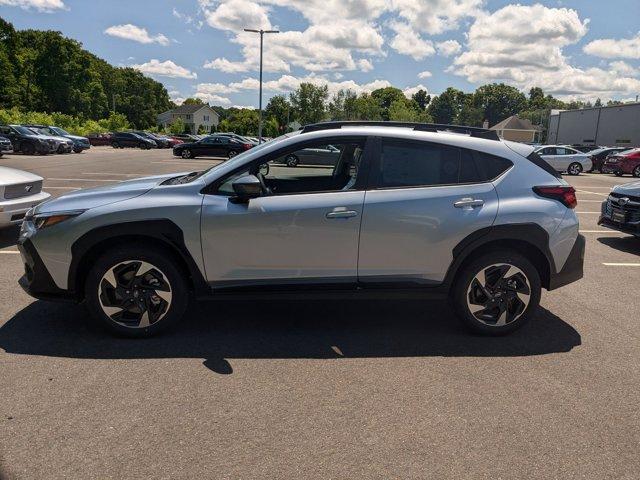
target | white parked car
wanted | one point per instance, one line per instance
(19, 191)
(565, 159)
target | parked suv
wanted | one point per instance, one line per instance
(5, 146)
(79, 143)
(128, 139)
(28, 142)
(428, 209)
(621, 210)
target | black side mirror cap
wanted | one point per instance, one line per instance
(246, 188)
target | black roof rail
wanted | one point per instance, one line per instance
(421, 127)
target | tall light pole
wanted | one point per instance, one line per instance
(261, 32)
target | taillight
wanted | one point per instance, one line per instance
(246, 146)
(564, 194)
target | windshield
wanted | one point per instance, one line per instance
(59, 131)
(24, 131)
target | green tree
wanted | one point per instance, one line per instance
(308, 102)
(499, 101)
(422, 98)
(385, 97)
(193, 101)
(446, 107)
(278, 109)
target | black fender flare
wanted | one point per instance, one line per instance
(530, 235)
(161, 231)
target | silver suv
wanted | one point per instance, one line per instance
(429, 209)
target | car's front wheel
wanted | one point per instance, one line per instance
(291, 161)
(231, 153)
(574, 169)
(636, 171)
(186, 153)
(497, 293)
(136, 292)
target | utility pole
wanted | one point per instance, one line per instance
(261, 32)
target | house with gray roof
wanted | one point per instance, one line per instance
(193, 116)
(517, 129)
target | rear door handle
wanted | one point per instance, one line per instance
(469, 203)
(341, 212)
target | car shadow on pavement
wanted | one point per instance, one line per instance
(9, 236)
(624, 244)
(217, 331)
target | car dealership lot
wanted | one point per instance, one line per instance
(322, 389)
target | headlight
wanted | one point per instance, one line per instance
(49, 219)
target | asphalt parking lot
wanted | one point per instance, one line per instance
(339, 389)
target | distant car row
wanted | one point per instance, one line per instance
(39, 139)
(570, 159)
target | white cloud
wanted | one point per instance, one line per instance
(410, 91)
(135, 33)
(226, 66)
(612, 48)
(212, 99)
(448, 48)
(235, 15)
(623, 68)
(165, 69)
(408, 42)
(364, 65)
(39, 5)
(435, 16)
(523, 46)
(425, 74)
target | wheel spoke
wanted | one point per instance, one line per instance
(111, 278)
(502, 317)
(144, 320)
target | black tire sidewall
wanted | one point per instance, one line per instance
(186, 153)
(579, 169)
(158, 257)
(291, 161)
(469, 271)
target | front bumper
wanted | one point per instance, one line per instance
(610, 168)
(37, 280)
(631, 228)
(572, 270)
(13, 211)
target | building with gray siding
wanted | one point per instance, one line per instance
(613, 125)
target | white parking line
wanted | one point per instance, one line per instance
(592, 201)
(592, 213)
(9, 252)
(622, 264)
(117, 174)
(592, 193)
(60, 188)
(612, 232)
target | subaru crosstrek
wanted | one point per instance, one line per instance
(428, 209)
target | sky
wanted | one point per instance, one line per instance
(572, 49)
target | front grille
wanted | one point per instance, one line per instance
(631, 210)
(22, 190)
(5, 146)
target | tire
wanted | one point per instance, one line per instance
(77, 150)
(115, 145)
(143, 146)
(28, 148)
(291, 161)
(231, 153)
(636, 171)
(517, 307)
(618, 173)
(186, 154)
(167, 304)
(574, 169)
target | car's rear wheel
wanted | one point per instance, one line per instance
(115, 145)
(28, 148)
(291, 161)
(636, 171)
(574, 169)
(186, 153)
(497, 293)
(231, 153)
(135, 291)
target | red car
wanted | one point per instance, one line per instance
(98, 139)
(624, 162)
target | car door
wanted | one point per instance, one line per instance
(308, 233)
(424, 200)
(550, 156)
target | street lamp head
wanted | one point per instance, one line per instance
(260, 31)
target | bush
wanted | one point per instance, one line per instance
(70, 123)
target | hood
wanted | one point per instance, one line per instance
(11, 176)
(632, 188)
(100, 196)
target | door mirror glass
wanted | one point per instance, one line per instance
(246, 188)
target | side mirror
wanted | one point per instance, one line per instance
(246, 188)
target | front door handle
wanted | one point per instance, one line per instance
(341, 212)
(469, 203)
